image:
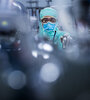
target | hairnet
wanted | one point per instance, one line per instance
(48, 12)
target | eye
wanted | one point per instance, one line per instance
(53, 20)
(45, 20)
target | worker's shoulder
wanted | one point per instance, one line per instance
(64, 33)
(60, 32)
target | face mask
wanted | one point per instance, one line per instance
(49, 26)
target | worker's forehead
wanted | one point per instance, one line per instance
(48, 17)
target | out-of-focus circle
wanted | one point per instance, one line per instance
(35, 53)
(46, 56)
(47, 47)
(40, 45)
(4, 23)
(49, 72)
(16, 80)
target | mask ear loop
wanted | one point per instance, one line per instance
(54, 36)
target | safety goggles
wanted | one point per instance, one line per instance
(45, 20)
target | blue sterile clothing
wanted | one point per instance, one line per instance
(52, 34)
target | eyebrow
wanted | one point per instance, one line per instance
(49, 16)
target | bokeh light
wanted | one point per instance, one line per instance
(47, 47)
(49, 72)
(46, 56)
(16, 80)
(35, 53)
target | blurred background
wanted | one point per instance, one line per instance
(34, 69)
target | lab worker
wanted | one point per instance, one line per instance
(48, 27)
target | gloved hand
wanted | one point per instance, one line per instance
(66, 40)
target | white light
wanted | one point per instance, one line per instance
(40, 45)
(35, 54)
(46, 56)
(15, 4)
(16, 80)
(49, 72)
(48, 47)
(33, 18)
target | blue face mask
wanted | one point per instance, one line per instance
(49, 26)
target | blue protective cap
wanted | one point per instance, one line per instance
(48, 12)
